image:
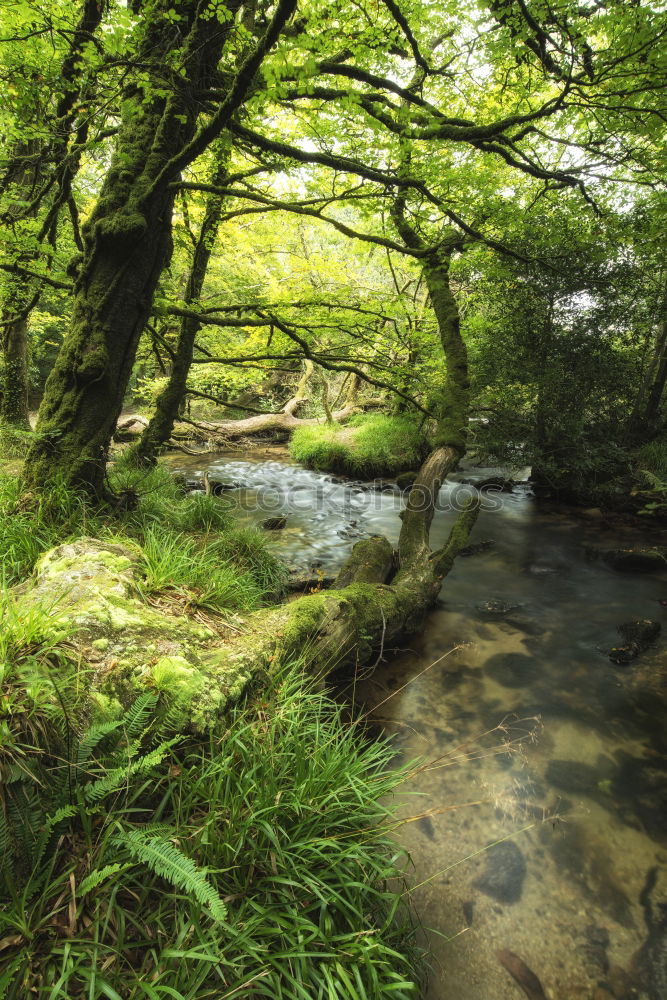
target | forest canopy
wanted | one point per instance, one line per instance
(198, 198)
(397, 233)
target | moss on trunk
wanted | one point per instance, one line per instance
(14, 405)
(127, 242)
(127, 239)
(168, 404)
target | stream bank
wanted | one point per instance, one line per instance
(584, 756)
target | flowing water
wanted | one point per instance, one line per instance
(533, 741)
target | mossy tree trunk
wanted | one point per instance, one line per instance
(453, 408)
(14, 404)
(127, 239)
(170, 400)
(371, 606)
(48, 164)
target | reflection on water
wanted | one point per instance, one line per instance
(576, 802)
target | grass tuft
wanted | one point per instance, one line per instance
(652, 457)
(367, 446)
(189, 541)
(258, 864)
(174, 561)
(14, 442)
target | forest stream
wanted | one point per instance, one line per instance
(510, 695)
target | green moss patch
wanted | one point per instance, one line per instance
(368, 446)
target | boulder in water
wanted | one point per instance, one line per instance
(638, 635)
(497, 484)
(504, 874)
(274, 523)
(495, 608)
(635, 560)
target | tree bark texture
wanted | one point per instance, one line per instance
(127, 240)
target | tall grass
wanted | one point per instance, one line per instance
(189, 541)
(174, 561)
(653, 458)
(256, 865)
(14, 442)
(367, 446)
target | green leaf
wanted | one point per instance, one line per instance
(167, 861)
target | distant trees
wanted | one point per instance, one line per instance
(385, 124)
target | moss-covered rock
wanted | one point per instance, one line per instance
(366, 447)
(636, 560)
(128, 646)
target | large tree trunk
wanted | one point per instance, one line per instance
(127, 240)
(370, 607)
(223, 432)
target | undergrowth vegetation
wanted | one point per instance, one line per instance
(651, 462)
(189, 541)
(367, 446)
(652, 458)
(255, 864)
(136, 861)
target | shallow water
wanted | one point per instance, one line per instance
(563, 754)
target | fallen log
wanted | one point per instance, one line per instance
(224, 432)
(133, 647)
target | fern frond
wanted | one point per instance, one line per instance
(92, 739)
(8, 974)
(5, 840)
(136, 718)
(165, 859)
(50, 827)
(98, 876)
(12, 773)
(25, 816)
(117, 777)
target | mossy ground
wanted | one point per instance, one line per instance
(368, 446)
(270, 806)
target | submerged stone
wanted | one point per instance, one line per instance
(495, 608)
(635, 560)
(512, 669)
(274, 523)
(477, 547)
(579, 777)
(504, 874)
(638, 635)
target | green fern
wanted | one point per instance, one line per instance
(100, 875)
(51, 830)
(165, 859)
(5, 838)
(92, 739)
(117, 777)
(139, 714)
